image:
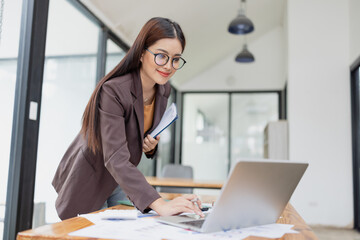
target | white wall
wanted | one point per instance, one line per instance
(354, 30)
(269, 64)
(319, 109)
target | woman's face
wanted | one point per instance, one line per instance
(153, 73)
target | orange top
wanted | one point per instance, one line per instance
(148, 115)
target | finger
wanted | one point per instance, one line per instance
(199, 203)
(145, 144)
(197, 209)
(146, 140)
(193, 206)
(195, 200)
(151, 139)
(180, 201)
(189, 204)
(178, 207)
(157, 137)
(189, 196)
(146, 148)
(189, 210)
(149, 146)
(184, 209)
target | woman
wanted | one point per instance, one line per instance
(124, 107)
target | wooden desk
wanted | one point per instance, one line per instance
(183, 182)
(61, 230)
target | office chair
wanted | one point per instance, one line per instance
(176, 171)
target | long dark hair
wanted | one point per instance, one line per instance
(154, 30)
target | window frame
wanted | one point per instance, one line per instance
(355, 126)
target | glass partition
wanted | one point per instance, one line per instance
(165, 154)
(69, 79)
(114, 54)
(250, 112)
(211, 119)
(9, 47)
(205, 134)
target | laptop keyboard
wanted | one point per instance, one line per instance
(195, 223)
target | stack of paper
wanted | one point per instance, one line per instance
(148, 228)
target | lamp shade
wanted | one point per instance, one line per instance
(241, 25)
(245, 56)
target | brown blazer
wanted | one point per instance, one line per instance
(83, 180)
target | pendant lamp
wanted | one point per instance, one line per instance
(241, 24)
(245, 56)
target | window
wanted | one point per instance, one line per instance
(205, 134)
(250, 112)
(114, 54)
(220, 128)
(69, 79)
(9, 46)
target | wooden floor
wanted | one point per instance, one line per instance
(325, 233)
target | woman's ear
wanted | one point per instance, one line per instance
(142, 56)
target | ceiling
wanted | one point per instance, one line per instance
(204, 23)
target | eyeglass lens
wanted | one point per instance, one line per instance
(162, 59)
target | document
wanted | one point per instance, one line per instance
(168, 118)
(149, 229)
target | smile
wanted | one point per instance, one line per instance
(164, 74)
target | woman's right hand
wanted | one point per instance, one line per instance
(182, 204)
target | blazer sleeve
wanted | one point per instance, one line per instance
(116, 153)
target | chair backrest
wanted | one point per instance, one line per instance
(176, 171)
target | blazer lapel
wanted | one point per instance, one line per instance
(136, 91)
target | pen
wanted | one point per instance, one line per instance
(195, 202)
(117, 219)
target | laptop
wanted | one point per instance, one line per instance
(255, 193)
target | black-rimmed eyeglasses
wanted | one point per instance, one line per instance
(162, 59)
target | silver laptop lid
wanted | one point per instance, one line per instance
(255, 193)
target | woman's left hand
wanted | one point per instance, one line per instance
(150, 143)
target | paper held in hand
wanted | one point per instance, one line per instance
(168, 118)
